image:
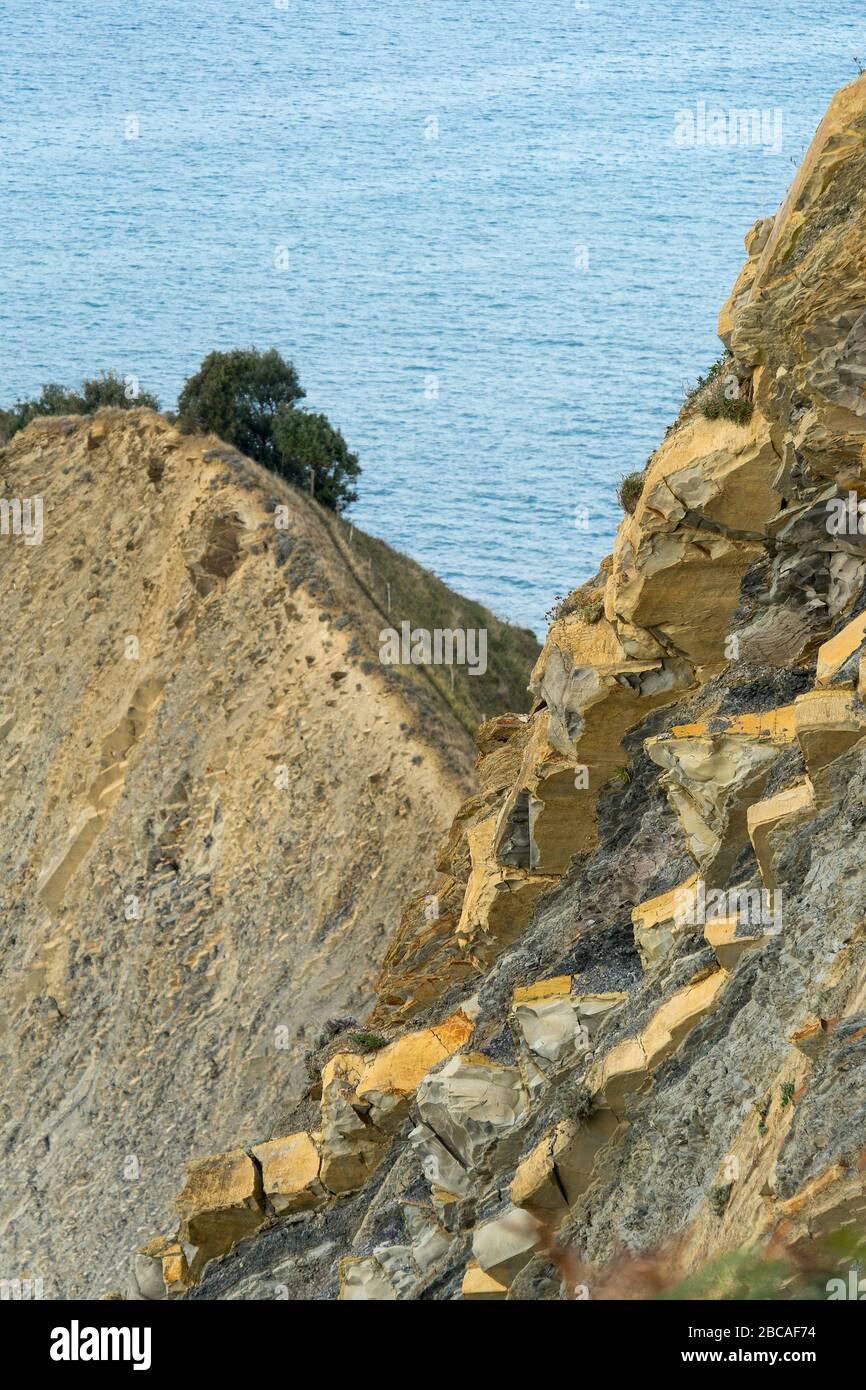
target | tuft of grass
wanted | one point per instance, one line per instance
(721, 394)
(763, 1108)
(629, 492)
(740, 411)
(556, 609)
(371, 1041)
(576, 1101)
(719, 1198)
(587, 601)
(787, 1095)
(591, 612)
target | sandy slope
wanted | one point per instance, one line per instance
(214, 798)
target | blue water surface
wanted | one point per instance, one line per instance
(467, 221)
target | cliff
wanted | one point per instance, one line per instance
(213, 796)
(620, 1031)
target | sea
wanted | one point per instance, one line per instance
(492, 235)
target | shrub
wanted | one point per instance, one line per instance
(110, 389)
(238, 396)
(629, 491)
(107, 389)
(312, 451)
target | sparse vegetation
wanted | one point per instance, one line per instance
(719, 1198)
(399, 586)
(763, 1109)
(721, 394)
(787, 1095)
(629, 491)
(587, 601)
(369, 1041)
(576, 1101)
(591, 612)
(556, 609)
(768, 1273)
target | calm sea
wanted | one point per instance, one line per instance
(473, 226)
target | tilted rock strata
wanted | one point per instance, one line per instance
(651, 1076)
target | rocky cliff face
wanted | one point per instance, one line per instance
(213, 797)
(628, 1013)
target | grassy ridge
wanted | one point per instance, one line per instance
(417, 596)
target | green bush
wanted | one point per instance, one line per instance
(246, 397)
(106, 389)
(313, 454)
(110, 389)
(238, 396)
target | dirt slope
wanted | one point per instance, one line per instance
(214, 800)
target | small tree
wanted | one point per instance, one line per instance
(315, 455)
(237, 395)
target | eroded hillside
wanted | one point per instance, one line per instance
(213, 797)
(635, 1019)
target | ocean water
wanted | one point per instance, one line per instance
(470, 225)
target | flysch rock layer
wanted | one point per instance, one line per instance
(643, 955)
(213, 798)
